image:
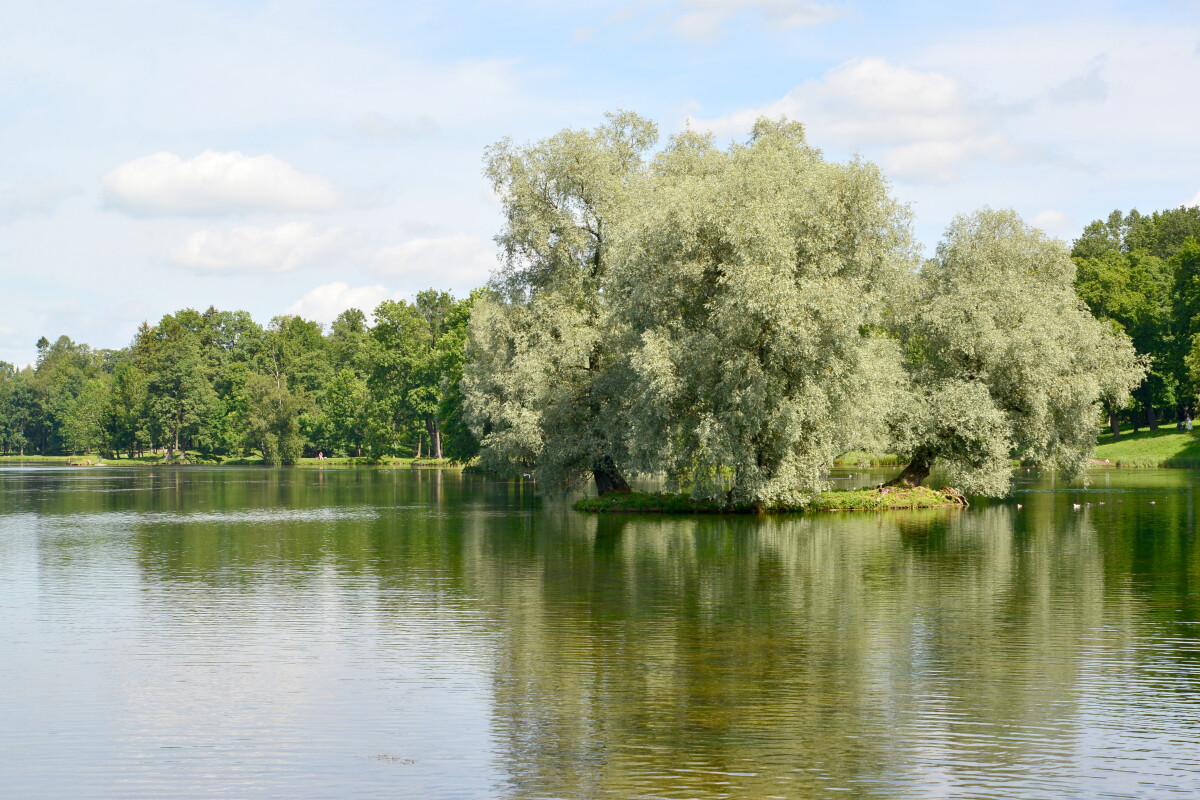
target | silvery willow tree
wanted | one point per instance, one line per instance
(751, 284)
(737, 318)
(1005, 361)
(543, 384)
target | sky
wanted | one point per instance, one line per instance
(306, 157)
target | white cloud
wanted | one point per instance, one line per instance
(215, 183)
(30, 198)
(1055, 223)
(325, 302)
(461, 260)
(377, 126)
(922, 124)
(254, 249)
(1195, 201)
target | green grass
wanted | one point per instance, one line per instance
(36, 460)
(1162, 448)
(366, 462)
(847, 500)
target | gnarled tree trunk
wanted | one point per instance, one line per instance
(916, 471)
(608, 477)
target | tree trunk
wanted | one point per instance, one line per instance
(1135, 416)
(1151, 418)
(1114, 424)
(608, 478)
(916, 471)
(435, 437)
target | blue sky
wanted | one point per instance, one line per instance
(303, 157)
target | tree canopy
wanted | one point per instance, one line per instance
(1005, 360)
(218, 383)
(733, 318)
(1139, 273)
(736, 318)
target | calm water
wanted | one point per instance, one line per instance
(268, 633)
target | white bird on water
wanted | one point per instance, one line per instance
(1076, 506)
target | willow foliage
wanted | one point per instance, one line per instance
(1006, 361)
(542, 384)
(736, 318)
(752, 282)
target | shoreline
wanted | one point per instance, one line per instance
(885, 499)
(150, 461)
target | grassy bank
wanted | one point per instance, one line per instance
(1165, 447)
(48, 461)
(847, 500)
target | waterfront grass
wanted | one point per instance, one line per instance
(1165, 447)
(48, 461)
(886, 498)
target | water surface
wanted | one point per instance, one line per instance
(274, 633)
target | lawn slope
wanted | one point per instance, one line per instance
(1165, 447)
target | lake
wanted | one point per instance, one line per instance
(368, 633)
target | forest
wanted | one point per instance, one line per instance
(1141, 274)
(202, 385)
(731, 318)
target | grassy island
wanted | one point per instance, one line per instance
(884, 499)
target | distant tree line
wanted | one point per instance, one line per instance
(218, 383)
(1141, 274)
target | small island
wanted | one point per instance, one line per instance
(881, 498)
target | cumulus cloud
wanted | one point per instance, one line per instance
(325, 302)
(256, 249)
(31, 198)
(1195, 201)
(461, 260)
(215, 183)
(922, 124)
(377, 126)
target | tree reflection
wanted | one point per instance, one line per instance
(896, 655)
